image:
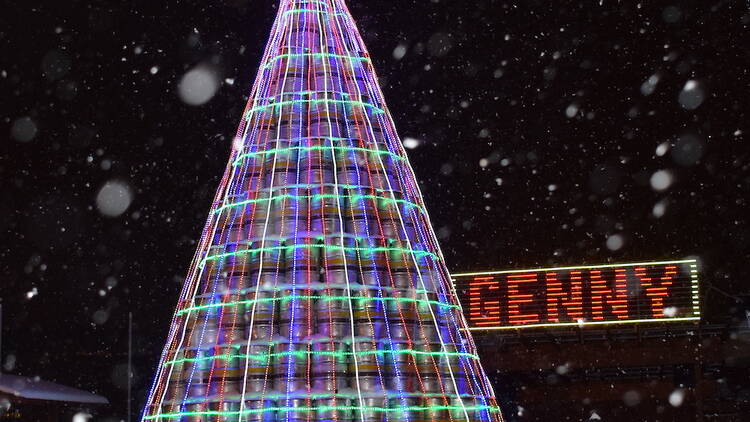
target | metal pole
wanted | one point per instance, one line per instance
(1, 338)
(130, 358)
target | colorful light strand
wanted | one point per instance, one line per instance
(318, 284)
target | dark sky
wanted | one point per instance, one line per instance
(563, 132)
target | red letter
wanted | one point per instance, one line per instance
(483, 312)
(601, 294)
(515, 299)
(657, 293)
(572, 300)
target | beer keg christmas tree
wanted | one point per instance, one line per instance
(318, 290)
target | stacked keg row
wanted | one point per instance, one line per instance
(297, 187)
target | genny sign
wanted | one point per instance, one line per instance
(580, 296)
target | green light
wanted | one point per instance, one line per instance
(318, 185)
(314, 11)
(322, 409)
(324, 298)
(582, 324)
(315, 55)
(313, 101)
(319, 196)
(314, 148)
(305, 353)
(322, 246)
(582, 267)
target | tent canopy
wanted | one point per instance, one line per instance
(36, 389)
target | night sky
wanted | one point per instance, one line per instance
(546, 133)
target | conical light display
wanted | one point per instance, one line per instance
(318, 291)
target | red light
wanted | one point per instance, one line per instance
(571, 300)
(657, 293)
(482, 311)
(516, 299)
(579, 295)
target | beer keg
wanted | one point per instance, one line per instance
(223, 411)
(333, 313)
(326, 210)
(314, 153)
(257, 361)
(324, 121)
(397, 360)
(261, 330)
(295, 408)
(231, 321)
(333, 382)
(400, 329)
(429, 330)
(196, 412)
(297, 318)
(289, 212)
(202, 332)
(291, 359)
(333, 409)
(430, 383)
(382, 178)
(360, 214)
(340, 260)
(261, 306)
(258, 410)
(368, 357)
(372, 411)
(302, 261)
(329, 364)
(402, 306)
(435, 409)
(372, 251)
(454, 377)
(281, 176)
(329, 356)
(402, 275)
(428, 361)
(265, 127)
(461, 407)
(258, 383)
(233, 281)
(405, 409)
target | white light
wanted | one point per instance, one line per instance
(411, 143)
(662, 149)
(81, 417)
(660, 208)
(677, 397)
(670, 311)
(113, 198)
(399, 52)
(237, 143)
(572, 110)
(661, 180)
(198, 86)
(31, 293)
(615, 242)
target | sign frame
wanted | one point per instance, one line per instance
(514, 299)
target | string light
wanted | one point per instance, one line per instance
(318, 284)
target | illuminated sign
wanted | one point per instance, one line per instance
(580, 296)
